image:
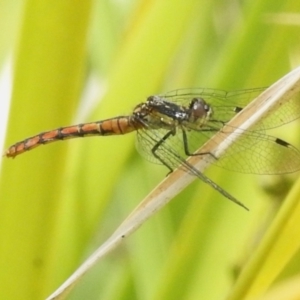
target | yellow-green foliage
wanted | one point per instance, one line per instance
(59, 202)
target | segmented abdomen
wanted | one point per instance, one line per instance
(114, 126)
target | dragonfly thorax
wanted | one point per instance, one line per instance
(157, 112)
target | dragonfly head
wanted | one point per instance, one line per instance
(199, 111)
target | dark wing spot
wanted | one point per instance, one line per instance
(282, 142)
(237, 109)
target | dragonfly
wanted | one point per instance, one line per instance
(170, 127)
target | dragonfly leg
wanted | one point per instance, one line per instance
(186, 147)
(156, 147)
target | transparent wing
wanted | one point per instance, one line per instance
(224, 104)
(257, 153)
(252, 151)
(170, 152)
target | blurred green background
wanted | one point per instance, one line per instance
(79, 61)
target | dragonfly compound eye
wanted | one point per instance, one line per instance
(199, 109)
